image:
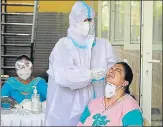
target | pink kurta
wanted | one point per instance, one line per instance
(120, 114)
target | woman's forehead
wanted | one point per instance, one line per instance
(118, 66)
(23, 60)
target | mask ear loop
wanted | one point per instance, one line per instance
(120, 88)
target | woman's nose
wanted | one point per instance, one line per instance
(111, 70)
(107, 74)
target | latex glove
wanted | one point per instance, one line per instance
(98, 74)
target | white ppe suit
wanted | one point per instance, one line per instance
(69, 82)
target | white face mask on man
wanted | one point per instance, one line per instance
(110, 90)
(24, 73)
(85, 28)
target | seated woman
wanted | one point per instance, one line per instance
(21, 87)
(118, 107)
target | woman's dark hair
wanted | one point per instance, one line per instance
(23, 57)
(128, 75)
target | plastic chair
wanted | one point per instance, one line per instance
(146, 123)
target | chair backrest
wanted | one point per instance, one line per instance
(146, 123)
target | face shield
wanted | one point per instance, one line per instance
(23, 63)
(23, 68)
(91, 27)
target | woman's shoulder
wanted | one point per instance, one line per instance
(130, 100)
(129, 104)
(11, 80)
(39, 80)
(132, 114)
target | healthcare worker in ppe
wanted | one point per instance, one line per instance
(76, 61)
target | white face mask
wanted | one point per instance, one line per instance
(110, 90)
(83, 28)
(24, 73)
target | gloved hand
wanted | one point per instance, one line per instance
(98, 74)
